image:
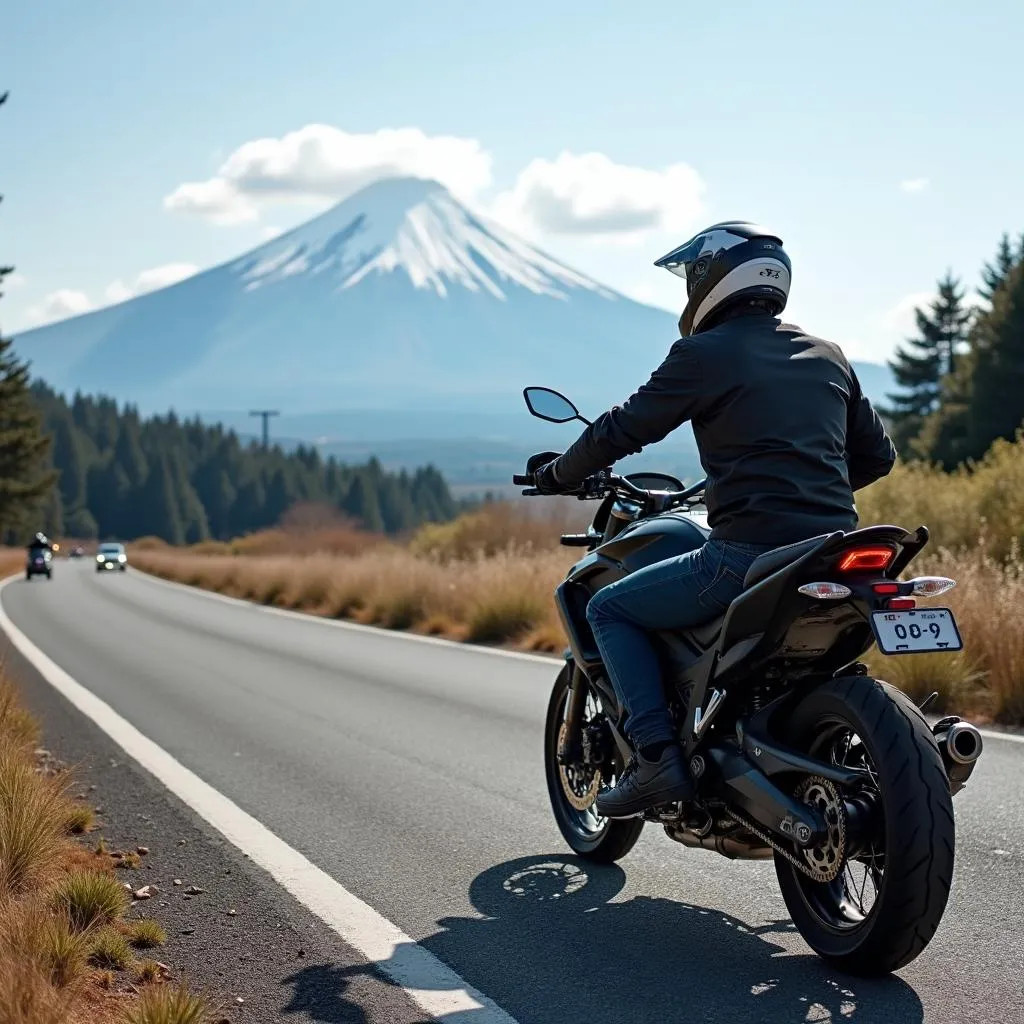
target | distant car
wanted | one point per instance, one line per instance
(39, 563)
(111, 556)
(76, 552)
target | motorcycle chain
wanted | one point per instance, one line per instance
(836, 833)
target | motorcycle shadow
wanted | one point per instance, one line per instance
(553, 947)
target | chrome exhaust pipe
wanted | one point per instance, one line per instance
(964, 743)
(960, 745)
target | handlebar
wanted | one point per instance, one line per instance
(600, 483)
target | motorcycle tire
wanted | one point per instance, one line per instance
(601, 840)
(897, 746)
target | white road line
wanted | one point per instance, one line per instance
(433, 986)
(543, 659)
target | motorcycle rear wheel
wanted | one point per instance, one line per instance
(602, 840)
(911, 869)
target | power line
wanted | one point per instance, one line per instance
(265, 414)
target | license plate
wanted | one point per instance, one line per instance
(916, 630)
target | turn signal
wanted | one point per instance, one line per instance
(866, 560)
(825, 591)
(932, 586)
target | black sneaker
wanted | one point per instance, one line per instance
(646, 784)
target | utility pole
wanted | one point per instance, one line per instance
(265, 414)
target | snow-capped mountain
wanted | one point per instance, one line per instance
(398, 298)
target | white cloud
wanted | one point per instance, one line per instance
(15, 281)
(150, 280)
(269, 232)
(58, 305)
(320, 162)
(590, 195)
(914, 184)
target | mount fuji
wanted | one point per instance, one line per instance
(395, 319)
(398, 298)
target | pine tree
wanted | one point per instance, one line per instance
(160, 504)
(25, 479)
(924, 361)
(993, 274)
(996, 406)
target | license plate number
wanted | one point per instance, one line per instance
(916, 630)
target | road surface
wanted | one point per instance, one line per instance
(411, 773)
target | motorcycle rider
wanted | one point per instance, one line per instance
(785, 436)
(40, 542)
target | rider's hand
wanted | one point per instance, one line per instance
(545, 480)
(534, 462)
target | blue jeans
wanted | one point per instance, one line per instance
(679, 592)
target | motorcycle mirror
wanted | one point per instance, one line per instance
(549, 405)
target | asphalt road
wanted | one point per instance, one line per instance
(412, 774)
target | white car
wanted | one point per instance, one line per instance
(111, 556)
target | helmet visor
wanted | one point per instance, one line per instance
(683, 260)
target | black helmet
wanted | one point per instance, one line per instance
(725, 262)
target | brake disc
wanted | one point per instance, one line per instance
(579, 783)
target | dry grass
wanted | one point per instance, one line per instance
(90, 898)
(80, 818)
(33, 814)
(505, 598)
(110, 949)
(164, 1005)
(981, 504)
(146, 934)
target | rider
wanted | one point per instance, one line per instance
(40, 542)
(785, 436)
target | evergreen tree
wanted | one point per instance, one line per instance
(924, 361)
(160, 504)
(996, 404)
(993, 274)
(25, 480)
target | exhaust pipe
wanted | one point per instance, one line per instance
(960, 745)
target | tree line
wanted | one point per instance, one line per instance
(961, 377)
(125, 476)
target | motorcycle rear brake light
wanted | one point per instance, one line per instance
(825, 591)
(932, 586)
(866, 559)
(899, 603)
(886, 588)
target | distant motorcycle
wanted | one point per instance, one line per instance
(797, 753)
(39, 563)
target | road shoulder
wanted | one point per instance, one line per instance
(241, 938)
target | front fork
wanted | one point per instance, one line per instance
(570, 745)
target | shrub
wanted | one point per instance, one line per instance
(167, 1005)
(110, 949)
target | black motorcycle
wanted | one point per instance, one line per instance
(39, 563)
(797, 753)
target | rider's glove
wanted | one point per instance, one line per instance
(545, 480)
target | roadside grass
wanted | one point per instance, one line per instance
(110, 949)
(166, 1005)
(65, 948)
(91, 898)
(146, 933)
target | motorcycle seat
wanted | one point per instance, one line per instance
(778, 558)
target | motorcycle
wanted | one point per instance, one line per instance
(798, 755)
(39, 563)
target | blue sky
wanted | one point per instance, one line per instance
(883, 141)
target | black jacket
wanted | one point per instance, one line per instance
(784, 432)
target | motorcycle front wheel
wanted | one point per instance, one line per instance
(886, 903)
(573, 788)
